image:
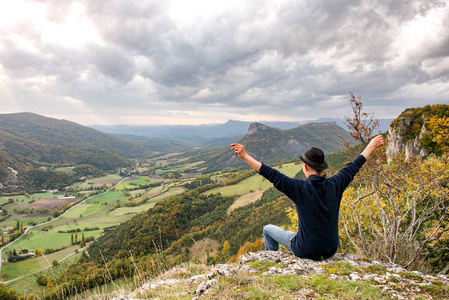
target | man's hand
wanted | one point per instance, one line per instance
(240, 151)
(375, 142)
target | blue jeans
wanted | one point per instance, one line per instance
(275, 235)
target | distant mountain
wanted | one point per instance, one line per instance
(383, 125)
(204, 134)
(269, 144)
(154, 144)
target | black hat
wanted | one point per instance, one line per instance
(314, 158)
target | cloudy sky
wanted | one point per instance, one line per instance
(207, 61)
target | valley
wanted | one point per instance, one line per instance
(107, 202)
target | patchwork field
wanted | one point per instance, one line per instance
(89, 218)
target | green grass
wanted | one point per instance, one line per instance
(65, 169)
(37, 240)
(110, 198)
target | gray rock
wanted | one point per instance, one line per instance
(205, 285)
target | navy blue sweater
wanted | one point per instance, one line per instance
(317, 202)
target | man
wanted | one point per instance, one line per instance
(317, 201)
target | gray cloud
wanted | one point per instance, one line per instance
(274, 60)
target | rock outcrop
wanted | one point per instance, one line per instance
(392, 279)
(412, 148)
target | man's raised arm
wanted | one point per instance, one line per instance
(240, 151)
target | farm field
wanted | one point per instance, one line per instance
(14, 206)
(180, 168)
(98, 182)
(254, 183)
(22, 268)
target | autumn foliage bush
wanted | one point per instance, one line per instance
(398, 211)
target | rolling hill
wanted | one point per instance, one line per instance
(29, 140)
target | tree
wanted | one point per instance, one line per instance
(226, 248)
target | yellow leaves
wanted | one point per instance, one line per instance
(439, 128)
(400, 204)
(226, 247)
(293, 216)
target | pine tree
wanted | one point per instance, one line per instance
(72, 238)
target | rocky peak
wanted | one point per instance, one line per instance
(398, 143)
(256, 127)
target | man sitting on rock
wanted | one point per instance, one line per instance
(317, 201)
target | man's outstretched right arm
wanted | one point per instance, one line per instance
(240, 151)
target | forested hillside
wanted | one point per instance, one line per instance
(44, 131)
(29, 141)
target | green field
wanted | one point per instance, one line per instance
(25, 267)
(254, 182)
(65, 169)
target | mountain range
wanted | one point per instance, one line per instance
(206, 133)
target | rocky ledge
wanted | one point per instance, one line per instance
(393, 280)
